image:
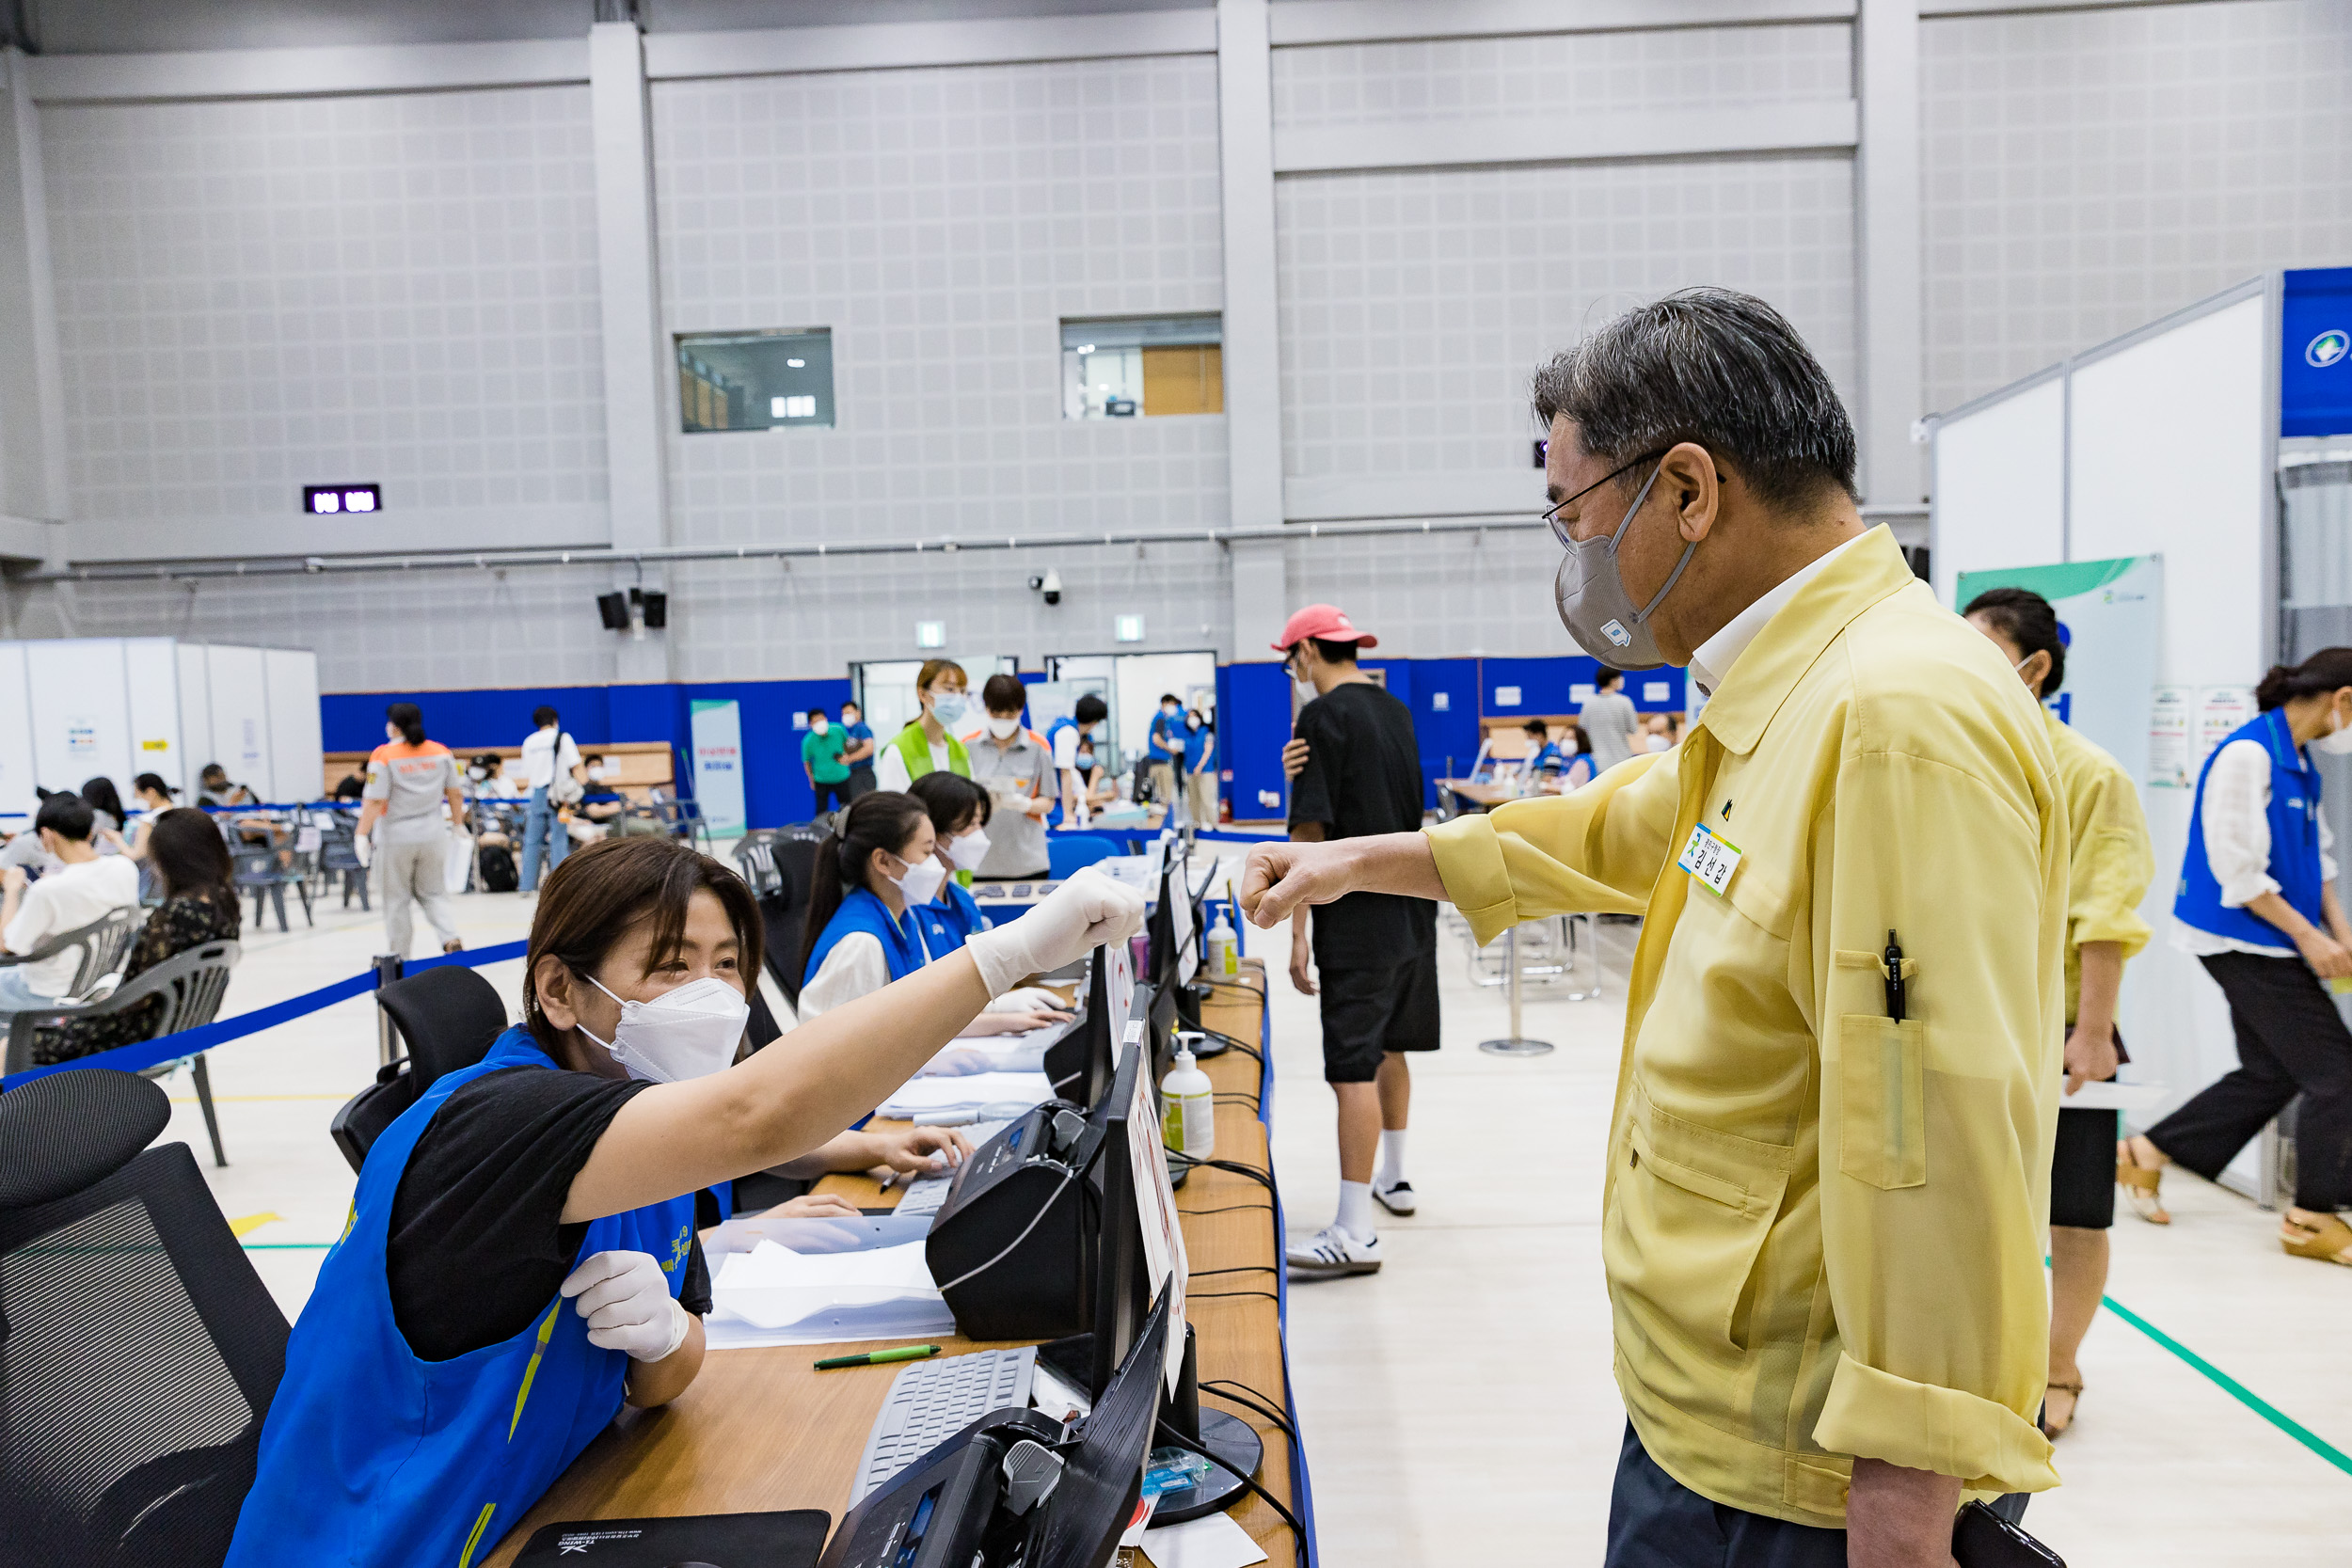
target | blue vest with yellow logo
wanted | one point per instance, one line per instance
(946, 922)
(372, 1457)
(861, 910)
(2295, 862)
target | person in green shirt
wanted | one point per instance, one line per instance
(820, 759)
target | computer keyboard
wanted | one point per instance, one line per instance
(933, 1401)
(925, 1194)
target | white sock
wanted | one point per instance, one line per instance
(1356, 1209)
(1391, 1168)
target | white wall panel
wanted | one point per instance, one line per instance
(151, 668)
(240, 704)
(81, 712)
(2000, 486)
(17, 774)
(195, 713)
(291, 676)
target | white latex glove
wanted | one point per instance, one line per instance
(364, 847)
(1027, 999)
(627, 1303)
(1082, 914)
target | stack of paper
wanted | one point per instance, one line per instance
(772, 1295)
(966, 1055)
(929, 1099)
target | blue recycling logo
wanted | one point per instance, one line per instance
(2328, 348)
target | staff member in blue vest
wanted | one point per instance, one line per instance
(520, 1259)
(876, 872)
(1072, 739)
(2258, 907)
(959, 810)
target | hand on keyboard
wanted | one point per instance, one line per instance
(924, 1150)
(815, 1206)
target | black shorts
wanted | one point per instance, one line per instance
(2082, 1170)
(1369, 1012)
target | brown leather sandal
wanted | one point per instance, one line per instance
(2059, 1430)
(2140, 1185)
(2330, 1240)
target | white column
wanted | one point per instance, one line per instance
(1252, 351)
(635, 356)
(32, 437)
(1887, 250)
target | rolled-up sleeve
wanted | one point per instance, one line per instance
(2235, 816)
(2112, 865)
(1936, 1132)
(1599, 849)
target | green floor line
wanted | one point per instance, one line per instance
(2235, 1389)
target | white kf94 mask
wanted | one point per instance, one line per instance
(688, 1032)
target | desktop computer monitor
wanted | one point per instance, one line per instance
(1080, 1064)
(1120, 1286)
(1103, 1480)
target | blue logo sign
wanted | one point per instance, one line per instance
(2328, 348)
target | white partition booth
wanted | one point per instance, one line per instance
(2165, 442)
(72, 708)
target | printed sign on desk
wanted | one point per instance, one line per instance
(715, 726)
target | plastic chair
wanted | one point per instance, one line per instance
(260, 872)
(1065, 853)
(105, 943)
(448, 1018)
(339, 857)
(755, 861)
(191, 985)
(142, 1349)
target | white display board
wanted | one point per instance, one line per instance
(17, 775)
(195, 712)
(290, 676)
(150, 670)
(241, 717)
(2168, 450)
(81, 710)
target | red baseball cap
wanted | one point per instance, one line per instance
(1326, 621)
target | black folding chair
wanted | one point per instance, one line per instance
(190, 986)
(138, 1350)
(448, 1018)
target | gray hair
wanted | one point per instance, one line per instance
(1712, 366)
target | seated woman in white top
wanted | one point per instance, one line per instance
(84, 887)
(882, 861)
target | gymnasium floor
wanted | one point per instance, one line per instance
(1458, 1407)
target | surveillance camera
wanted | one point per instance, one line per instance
(1049, 585)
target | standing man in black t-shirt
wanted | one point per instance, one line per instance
(1360, 774)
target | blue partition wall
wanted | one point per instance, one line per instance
(1448, 697)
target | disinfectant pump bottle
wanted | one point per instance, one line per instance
(1190, 1123)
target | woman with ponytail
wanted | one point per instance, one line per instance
(2258, 907)
(2111, 865)
(879, 863)
(403, 830)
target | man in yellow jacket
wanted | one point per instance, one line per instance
(1828, 1175)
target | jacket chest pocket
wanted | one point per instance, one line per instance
(1882, 1114)
(1684, 1231)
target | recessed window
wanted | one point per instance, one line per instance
(755, 380)
(1124, 367)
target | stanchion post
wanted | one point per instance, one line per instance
(1516, 1043)
(387, 1043)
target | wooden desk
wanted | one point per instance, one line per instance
(761, 1430)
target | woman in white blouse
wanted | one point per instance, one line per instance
(2258, 907)
(881, 862)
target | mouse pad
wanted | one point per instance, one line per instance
(791, 1540)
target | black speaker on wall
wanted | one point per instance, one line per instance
(613, 609)
(657, 610)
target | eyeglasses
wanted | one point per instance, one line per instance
(1551, 513)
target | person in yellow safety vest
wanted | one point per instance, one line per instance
(928, 745)
(1829, 1161)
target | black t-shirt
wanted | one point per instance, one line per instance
(477, 1245)
(1362, 777)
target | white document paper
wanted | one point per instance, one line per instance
(1212, 1541)
(2113, 1097)
(774, 1295)
(920, 1097)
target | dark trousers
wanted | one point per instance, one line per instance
(839, 790)
(2290, 1040)
(1657, 1522)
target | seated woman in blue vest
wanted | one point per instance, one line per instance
(520, 1259)
(876, 872)
(959, 810)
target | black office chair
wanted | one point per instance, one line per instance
(448, 1018)
(781, 913)
(138, 1350)
(755, 862)
(190, 986)
(104, 943)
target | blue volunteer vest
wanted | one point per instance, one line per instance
(374, 1458)
(2293, 841)
(947, 923)
(861, 910)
